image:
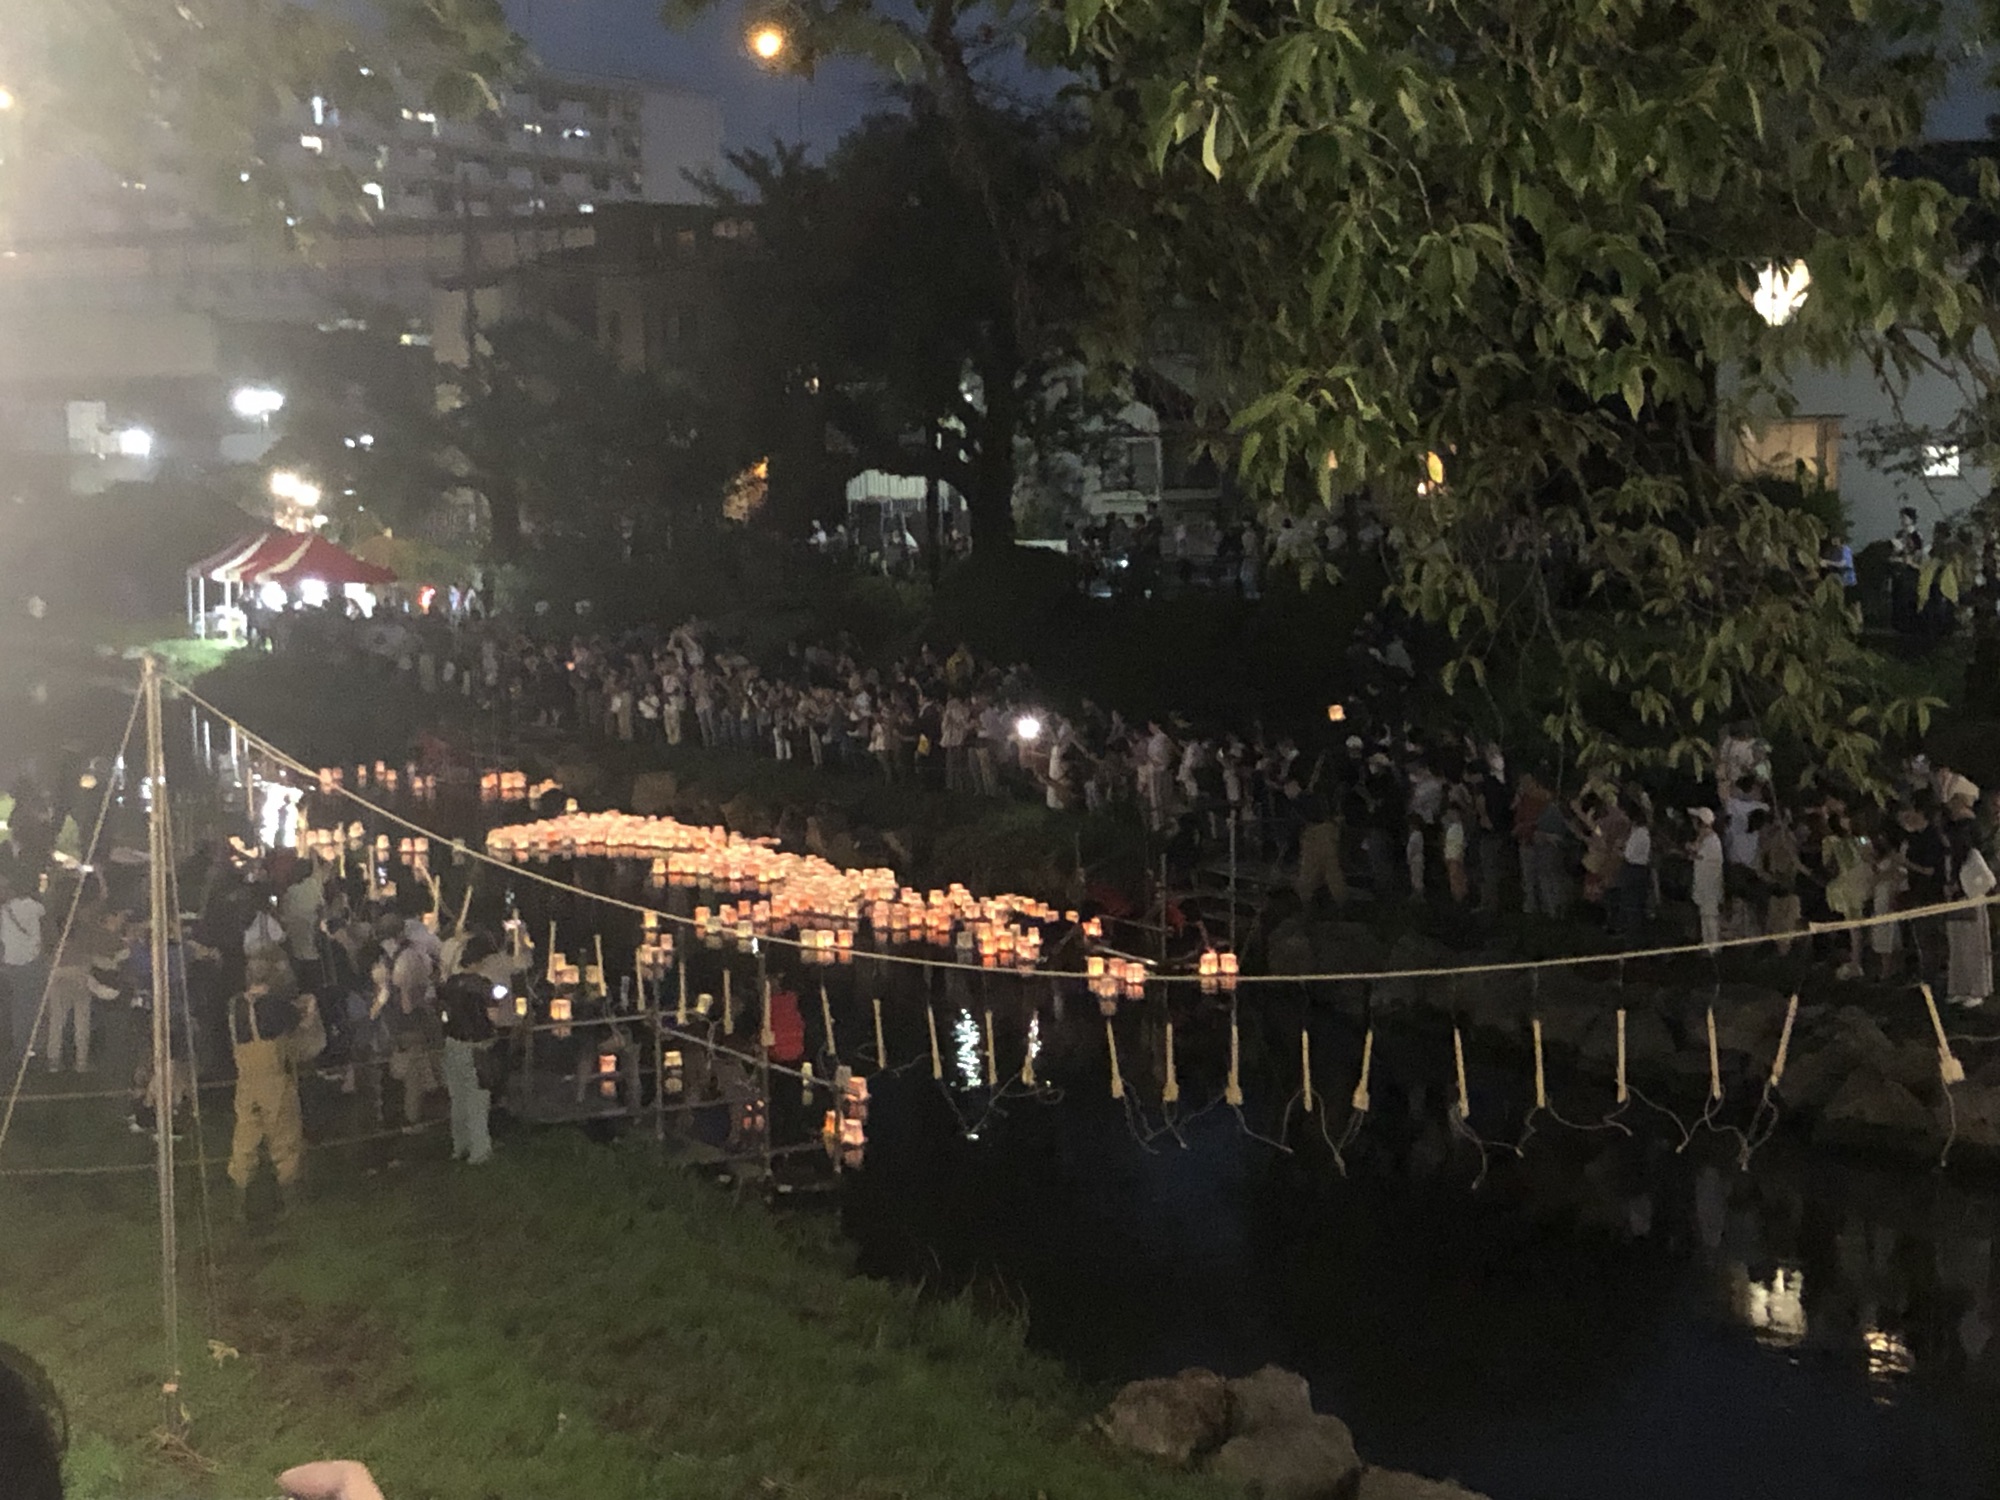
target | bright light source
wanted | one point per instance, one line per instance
(366, 440)
(499, 992)
(6, 98)
(135, 442)
(312, 592)
(769, 41)
(1781, 292)
(374, 190)
(286, 485)
(272, 596)
(312, 143)
(256, 403)
(1336, 712)
(1028, 727)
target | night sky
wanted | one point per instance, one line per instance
(626, 37)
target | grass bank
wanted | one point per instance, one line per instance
(575, 1321)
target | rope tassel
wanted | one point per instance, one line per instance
(1028, 1057)
(881, 1050)
(1714, 1059)
(1950, 1069)
(937, 1059)
(1111, 1042)
(1541, 1079)
(1306, 1066)
(1359, 1102)
(1624, 1093)
(1171, 1093)
(1232, 1091)
(1458, 1057)
(1784, 1043)
(992, 1062)
(826, 1020)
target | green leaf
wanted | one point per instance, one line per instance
(1209, 159)
(1634, 389)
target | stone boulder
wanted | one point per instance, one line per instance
(748, 815)
(1171, 1420)
(1309, 1460)
(654, 793)
(1346, 948)
(828, 836)
(1749, 1020)
(1649, 1045)
(1268, 1399)
(1393, 1484)
(1870, 1110)
(1973, 1112)
(1290, 949)
(579, 778)
(1413, 951)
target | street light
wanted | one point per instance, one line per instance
(1781, 291)
(256, 403)
(287, 485)
(768, 41)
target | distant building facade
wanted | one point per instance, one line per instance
(559, 144)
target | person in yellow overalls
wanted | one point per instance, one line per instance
(274, 1029)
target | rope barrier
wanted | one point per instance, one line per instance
(200, 1165)
(69, 924)
(1511, 966)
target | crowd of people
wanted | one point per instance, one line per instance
(295, 983)
(1366, 808)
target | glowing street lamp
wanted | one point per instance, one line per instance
(1781, 291)
(768, 41)
(287, 485)
(256, 403)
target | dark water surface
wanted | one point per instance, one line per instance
(1603, 1317)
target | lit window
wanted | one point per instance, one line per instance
(312, 143)
(1942, 460)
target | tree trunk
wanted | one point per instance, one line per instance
(989, 501)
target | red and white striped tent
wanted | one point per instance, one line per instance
(288, 558)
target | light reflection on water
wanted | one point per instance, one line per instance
(1773, 1309)
(965, 1050)
(1889, 1359)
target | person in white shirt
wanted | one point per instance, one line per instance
(1634, 890)
(23, 968)
(1706, 851)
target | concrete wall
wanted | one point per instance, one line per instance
(1872, 496)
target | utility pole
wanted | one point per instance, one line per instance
(159, 871)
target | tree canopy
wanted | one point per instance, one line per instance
(878, 303)
(1484, 264)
